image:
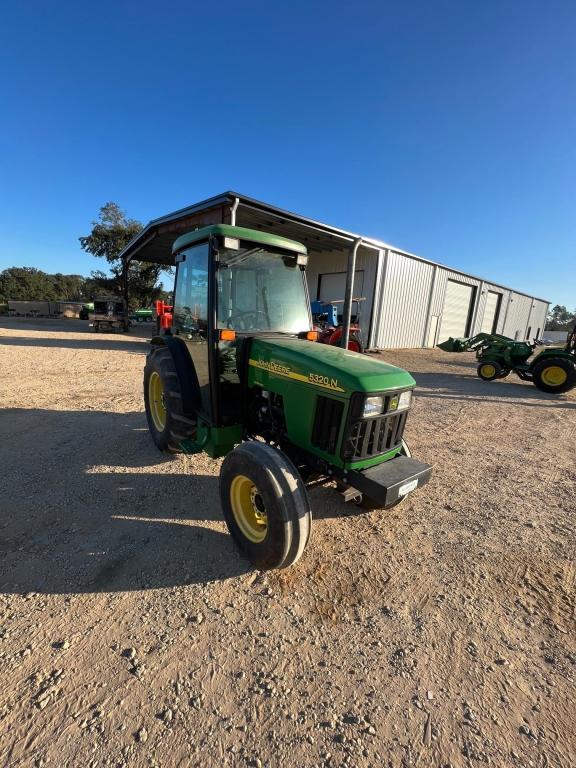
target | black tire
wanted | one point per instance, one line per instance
(355, 343)
(367, 503)
(279, 505)
(177, 426)
(488, 370)
(541, 375)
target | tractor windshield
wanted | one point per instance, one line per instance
(261, 290)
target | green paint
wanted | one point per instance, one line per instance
(241, 233)
(301, 371)
(215, 441)
(556, 352)
(511, 355)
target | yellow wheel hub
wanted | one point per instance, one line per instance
(488, 370)
(248, 509)
(554, 376)
(156, 401)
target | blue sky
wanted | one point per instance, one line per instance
(446, 127)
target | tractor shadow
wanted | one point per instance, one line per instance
(458, 386)
(87, 504)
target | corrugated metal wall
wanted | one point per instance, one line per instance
(405, 299)
(539, 314)
(412, 296)
(516, 316)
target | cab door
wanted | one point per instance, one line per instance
(191, 315)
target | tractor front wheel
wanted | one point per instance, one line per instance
(554, 375)
(265, 505)
(167, 422)
(489, 370)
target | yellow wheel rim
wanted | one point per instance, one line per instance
(156, 401)
(488, 371)
(554, 376)
(248, 509)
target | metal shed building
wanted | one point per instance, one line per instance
(409, 301)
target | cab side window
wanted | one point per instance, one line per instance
(190, 321)
(191, 294)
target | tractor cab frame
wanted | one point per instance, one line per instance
(228, 290)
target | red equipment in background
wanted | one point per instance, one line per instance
(325, 316)
(163, 317)
(325, 323)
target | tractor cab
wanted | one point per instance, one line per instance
(233, 284)
(237, 375)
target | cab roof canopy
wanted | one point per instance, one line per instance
(236, 233)
(154, 243)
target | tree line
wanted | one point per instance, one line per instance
(110, 233)
(30, 284)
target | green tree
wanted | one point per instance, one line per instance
(68, 287)
(560, 319)
(26, 284)
(100, 286)
(109, 235)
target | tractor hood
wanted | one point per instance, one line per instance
(323, 367)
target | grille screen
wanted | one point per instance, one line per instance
(370, 437)
(327, 422)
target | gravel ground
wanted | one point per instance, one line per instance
(439, 633)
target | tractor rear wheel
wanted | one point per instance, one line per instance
(489, 370)
(554, 375)
(354, 343)
(265, 505)
(167, 422)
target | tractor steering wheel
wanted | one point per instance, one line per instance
(245, 326)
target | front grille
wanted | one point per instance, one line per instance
(370, 437)
(327, 422)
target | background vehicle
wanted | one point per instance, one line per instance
(142, 316)
(552, 370)
(109, 315)
(237, 369)
(84, 313)
(329, 327)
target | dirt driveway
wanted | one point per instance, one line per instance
(440, 633)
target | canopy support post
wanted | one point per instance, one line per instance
(125, 281)
(347, 312)
(233, 210)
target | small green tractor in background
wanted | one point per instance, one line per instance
(236, 374)
(143, 315)
(552, 370)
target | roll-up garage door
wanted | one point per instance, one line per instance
(490, 312)
(333, 285)
(456, 310)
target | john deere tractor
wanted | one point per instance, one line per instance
(551, 370)
(238, 375)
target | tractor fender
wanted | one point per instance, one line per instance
(552, 352)
(189, 386)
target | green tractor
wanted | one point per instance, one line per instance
(238, 375)
(552, 370)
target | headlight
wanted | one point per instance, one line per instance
(405, 400)
(373, 406)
